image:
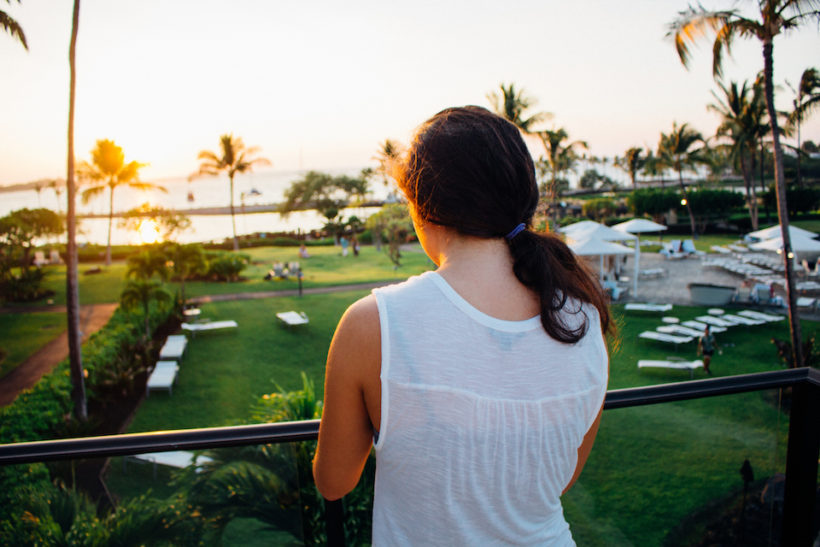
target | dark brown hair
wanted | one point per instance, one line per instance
(470, 170)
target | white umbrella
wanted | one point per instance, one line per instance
(599, 231)
(638, 226)
(774, 231)
(599, 247)
(800, 244)
(569, 229)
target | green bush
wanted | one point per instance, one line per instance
(285, 242)
(800, 200)
(224, 266)
(653, 201)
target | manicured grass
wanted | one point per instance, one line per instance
(811, 225)
(325, 267)
(652, 467)
(94, 288)
(224, 372)
(23, 334)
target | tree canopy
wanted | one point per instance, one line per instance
(326, 193)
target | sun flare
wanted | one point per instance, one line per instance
(149, 231)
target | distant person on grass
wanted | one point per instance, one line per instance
(706, 347)
(303, 251)
(481, 384)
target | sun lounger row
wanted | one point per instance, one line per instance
(688, 331)
(292, 318)
(174, 347)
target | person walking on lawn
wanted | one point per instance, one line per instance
(707, 346)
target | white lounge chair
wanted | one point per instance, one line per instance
(681, 365)
(162, 377)
(721, 250)
(668, 338)
(40, 258)
(762, 316)
(682, 330)
(636, 306)
(804, 303)
(194, 328)
(292, 318)
(713, 321)
(173, 348)
(175, 458)
(742, 319)
(700, 326)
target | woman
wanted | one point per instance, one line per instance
(482, 383)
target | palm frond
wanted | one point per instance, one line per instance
(13, 28)
(90, 193)
(145, 186)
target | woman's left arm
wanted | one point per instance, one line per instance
(346, 430)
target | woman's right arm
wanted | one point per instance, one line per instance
(346, 431)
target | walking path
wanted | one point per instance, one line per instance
(92, 319)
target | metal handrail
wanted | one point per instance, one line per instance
(217, 437)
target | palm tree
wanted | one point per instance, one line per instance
(676, 152)
(512, 105)
(776, 16)
(232, 158)
(632, 161)
(141, 293)
(561, 155)
(75, 357)
(108, 170)
(806, 101)
(55, 184)
(739, 125)
(13, 27)
(387, 156)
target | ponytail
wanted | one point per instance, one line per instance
(544, 264)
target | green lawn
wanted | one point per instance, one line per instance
(652, 467)
(23, 334)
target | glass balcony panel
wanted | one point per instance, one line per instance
(671, 473)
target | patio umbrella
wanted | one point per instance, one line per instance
(569, 229)
(597, 247)
(595, 230)
(775, 232)
(801, 244)
(638, 226)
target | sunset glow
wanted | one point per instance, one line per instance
(149, 231)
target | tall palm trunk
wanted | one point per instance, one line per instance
(782, 209)
(110, 222)
(751, 197)
(762, 172)
(688, 205)
(233, 218)
(72, 287)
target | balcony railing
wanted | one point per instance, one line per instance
(801, 458)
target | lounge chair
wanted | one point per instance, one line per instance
(292, 318)
(637, 306)
(54, 257)
(174, 347)
(681, 365)
(804, 303)
(721, 250)
(742, 319)
(668, 338)
(652, 273)
(40, 258)
(162, 377)
(681, 330)
(688, 247)
(616, 292)
(194, 328)
(191, 312)
(713, 321)
(175, 458)
(700, 326)
(762, 316)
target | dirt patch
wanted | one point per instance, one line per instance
(92, 319)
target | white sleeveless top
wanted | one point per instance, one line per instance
(481, 420)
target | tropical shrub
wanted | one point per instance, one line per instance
(653, 201)
(800, 200)
(225, 266)
(599, 208)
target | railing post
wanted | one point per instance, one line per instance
(801, 465)
(334, 523)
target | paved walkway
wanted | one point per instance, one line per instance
(92, 319)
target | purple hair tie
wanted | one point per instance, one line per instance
(515, 231)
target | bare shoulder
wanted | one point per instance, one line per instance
(356, 344)
(361, 317)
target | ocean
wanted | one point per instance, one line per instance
(252, 188)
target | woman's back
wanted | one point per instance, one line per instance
(481, 420)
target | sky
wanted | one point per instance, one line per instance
(319, 84)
